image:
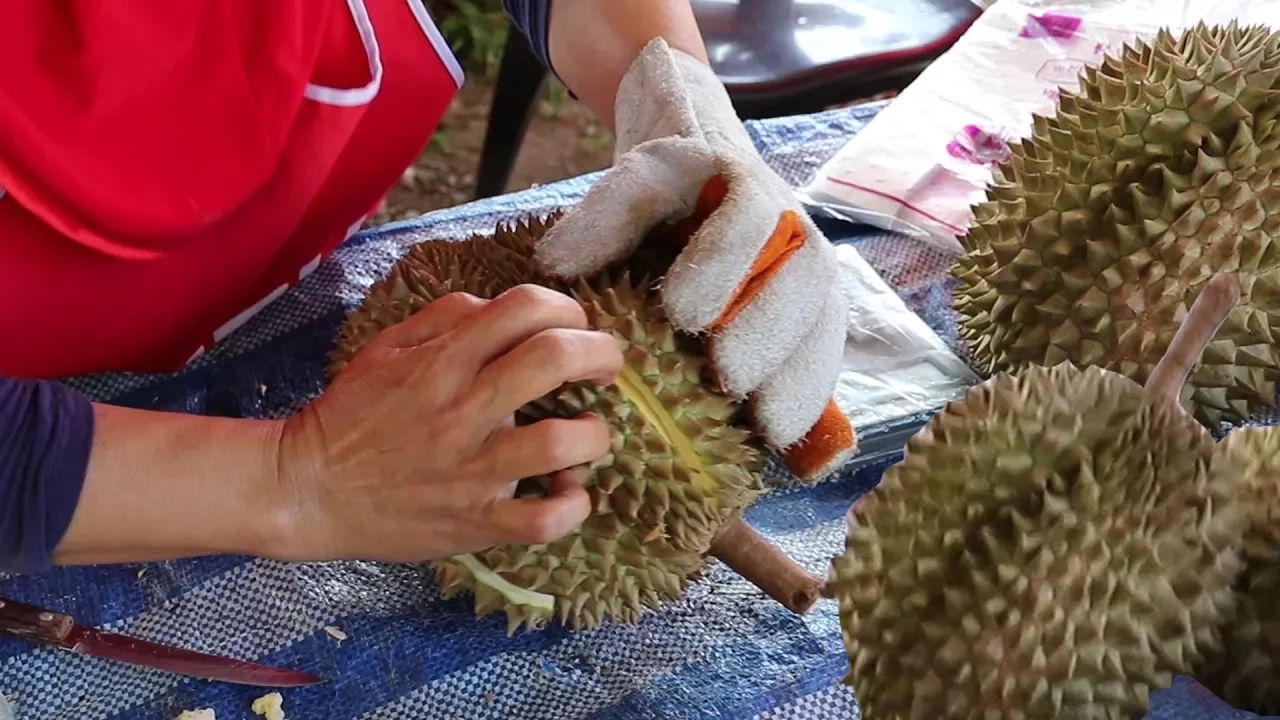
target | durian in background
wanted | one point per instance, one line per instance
(682, 468)
(1246, 671)
(1160, 171)
(1053, 545)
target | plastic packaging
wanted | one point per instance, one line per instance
(894, 364)
(921, 164)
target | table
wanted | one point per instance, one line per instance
(725, 651)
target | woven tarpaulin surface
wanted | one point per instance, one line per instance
(724, 651)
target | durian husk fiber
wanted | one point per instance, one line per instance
(681, 469)
(1162, 169)
(1051, 546)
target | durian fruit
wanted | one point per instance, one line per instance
(1246, 672)
(683, 464)
(483, 266)
(1053, 545)
(1098, 232)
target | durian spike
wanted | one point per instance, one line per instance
(1215, 301)
(763, 564)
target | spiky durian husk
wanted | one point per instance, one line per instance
(1246, 673)
(1100, 230)
(668, 484)
(1051, 546)
(482, 265)
(680, 464)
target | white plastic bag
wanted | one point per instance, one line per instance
(894, 364)
(922, 163)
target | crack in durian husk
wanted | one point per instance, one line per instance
(1051, 546)
(1246, 672)
(681, 462)
(634, 388)
(1100, 230)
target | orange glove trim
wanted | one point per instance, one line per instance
(713, 193)
(828, 437)
(788, 236)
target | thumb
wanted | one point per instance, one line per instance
(655, 181)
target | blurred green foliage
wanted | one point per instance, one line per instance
(475, 29)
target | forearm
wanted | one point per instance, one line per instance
(168, 485)
(593, 42)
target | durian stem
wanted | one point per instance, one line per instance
(762, 563)
(1216, 300)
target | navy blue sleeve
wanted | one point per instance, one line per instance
(46, 433)
(533, 18)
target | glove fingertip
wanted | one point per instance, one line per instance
(560, 252)
(828, 445)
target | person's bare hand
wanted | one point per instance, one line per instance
(412, 453)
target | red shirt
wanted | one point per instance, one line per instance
(167, 168)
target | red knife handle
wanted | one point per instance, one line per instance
(33, 623)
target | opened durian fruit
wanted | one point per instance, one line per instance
(1060, 543)
(1161, 170)
(682, 468)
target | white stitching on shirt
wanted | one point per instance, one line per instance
(350, 97)
(419, 10)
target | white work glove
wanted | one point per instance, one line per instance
(757, 276)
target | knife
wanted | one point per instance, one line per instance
(45, 627)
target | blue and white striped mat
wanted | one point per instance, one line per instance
(725, 651)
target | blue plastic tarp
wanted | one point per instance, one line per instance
(724, 651)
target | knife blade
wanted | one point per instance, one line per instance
(54, 629)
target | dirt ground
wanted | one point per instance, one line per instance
(561, 142)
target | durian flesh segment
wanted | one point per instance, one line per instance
(1098, 233)
(1050, 546)
(1246, 673)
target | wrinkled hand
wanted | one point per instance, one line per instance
(756, 275)
(412, 453)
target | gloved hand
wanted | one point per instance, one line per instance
(756, 275)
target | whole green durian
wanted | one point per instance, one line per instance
(1161, 170)
(1245, 672)
(1060, 543)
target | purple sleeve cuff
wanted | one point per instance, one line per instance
(533, 18)
(46, 433)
